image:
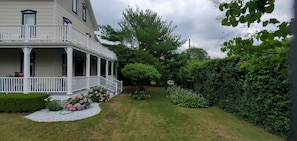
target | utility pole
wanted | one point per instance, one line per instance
(189, 43)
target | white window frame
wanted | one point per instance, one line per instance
(74, 6)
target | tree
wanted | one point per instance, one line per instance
(264, 48)
(140, 74)
(196, 54)
(144, 32)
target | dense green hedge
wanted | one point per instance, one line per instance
(266, 101)
(261, 97)
(22, 102)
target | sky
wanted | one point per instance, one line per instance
(197, 20)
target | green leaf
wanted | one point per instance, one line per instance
(274, 21)
(265, 23)
(269, 9)
(233, 21)
(242, 19)
(225, 22)
(221, 7)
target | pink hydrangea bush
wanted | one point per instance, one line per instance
(79, 102)
(99, 94)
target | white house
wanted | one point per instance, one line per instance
(49, 46)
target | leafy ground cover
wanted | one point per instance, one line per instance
(123, 118)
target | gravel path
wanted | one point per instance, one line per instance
(55, 116)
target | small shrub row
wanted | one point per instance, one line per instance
(22, 102)
(186, 98)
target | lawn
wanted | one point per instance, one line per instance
(123, 118)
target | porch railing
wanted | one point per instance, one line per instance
(56, 84)
(47, 84)
(11, 84)
(119, 83)
(52, 33)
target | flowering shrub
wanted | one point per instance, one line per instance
(186, 98)
(79, 102)
(52, 105)
(99, 94)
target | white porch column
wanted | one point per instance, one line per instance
(112, 69)
(26, 52)
(99, 69)
(69, 69)
(106, 68)
(88, 60)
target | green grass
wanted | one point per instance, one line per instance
(123, 118)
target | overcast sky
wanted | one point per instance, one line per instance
(196, 20)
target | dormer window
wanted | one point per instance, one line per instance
(84, 12)
(74, 6)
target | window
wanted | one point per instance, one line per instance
(84, 12)
(29, 18)
(66, 21)
(74, 6)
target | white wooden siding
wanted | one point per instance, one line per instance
(64, 9)
(48, 63)
(10, 11)
(10, 62)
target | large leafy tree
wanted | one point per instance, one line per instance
(145, 38)
(266, 48)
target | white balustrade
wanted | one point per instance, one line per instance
(52, 33)
(79, 83)
(47, 84)
(11, 84)
(56, 84)
(94, 81)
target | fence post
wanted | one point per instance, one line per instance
(116, 91)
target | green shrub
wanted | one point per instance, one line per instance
(260, 96)
(140, 94)
(52, 105)
(22, 102)
(186, 98)
(266, 101)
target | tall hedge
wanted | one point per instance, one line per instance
(261, 97)
(266, 101)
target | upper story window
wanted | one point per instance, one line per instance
(74, 6)
(28, 17)
(84, 12)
